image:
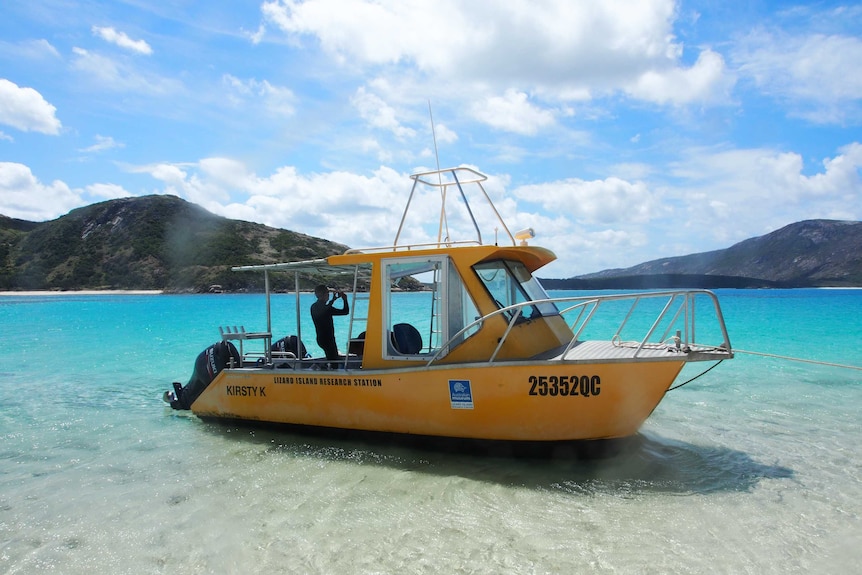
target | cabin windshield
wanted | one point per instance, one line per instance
(509, 283)
(425, 306)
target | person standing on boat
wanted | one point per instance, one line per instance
(322, 312)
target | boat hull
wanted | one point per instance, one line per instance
(521, 401)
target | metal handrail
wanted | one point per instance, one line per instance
(587, 308)
(409, 247)
(449, 178)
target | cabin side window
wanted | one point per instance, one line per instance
(425, 306)
(462, 311)
(509, 283)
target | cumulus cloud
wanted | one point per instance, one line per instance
(559, 49)
(26, 109)
(379, 114)
(26, 198)
(611, 200)
(354, 209)
(445, 135)
(707, 80)
(107, 191)
(708, 198)
(372, 32)
(361, 210)
(514, 113)
(726, 193)
(120, 39)
(710, 195)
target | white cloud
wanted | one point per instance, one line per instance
(513, 113)
(706, 81)
(190, 181)
(611, 200)
(820, 75)
(25, 197)
(226, 173)
(349, 208)
(107, 191)
(378, 114)
(444, 135)
(277, 100)
(26, 109)
(732, 195)
(112, 36)
(556, 49)
(257, 36)
(713, 199)
(373, 32)
(102, 143)
(840, 181)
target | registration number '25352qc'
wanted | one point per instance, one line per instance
(565, 385)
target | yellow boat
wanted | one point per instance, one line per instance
(491, 356)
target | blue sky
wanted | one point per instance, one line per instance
(621, 131)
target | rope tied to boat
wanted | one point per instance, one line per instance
(773, 355)
(704, 372)
(789, 358)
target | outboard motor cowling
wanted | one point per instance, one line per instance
(209, 363)
(291, 344)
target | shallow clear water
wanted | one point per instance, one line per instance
(755, 467)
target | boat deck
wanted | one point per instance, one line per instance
(628, 351)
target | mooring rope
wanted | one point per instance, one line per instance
(787, 357)
(696, 376)
(798, 359)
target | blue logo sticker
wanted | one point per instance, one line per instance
(460, 394)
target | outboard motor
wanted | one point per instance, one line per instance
(291, 344)
(209, 363)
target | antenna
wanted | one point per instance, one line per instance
(434, 136)
(444, 220)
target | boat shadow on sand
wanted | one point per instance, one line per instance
(642, 463)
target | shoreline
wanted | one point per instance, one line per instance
(80, 292)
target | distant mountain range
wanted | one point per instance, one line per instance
(151, 242)
(163, 242)
(812, 253)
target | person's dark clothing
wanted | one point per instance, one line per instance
(321, 314)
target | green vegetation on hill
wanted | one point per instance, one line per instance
(12, 231)
(164, 242)
(151, 242)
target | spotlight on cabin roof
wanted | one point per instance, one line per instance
(524, 235)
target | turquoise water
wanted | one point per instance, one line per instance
(755, 467)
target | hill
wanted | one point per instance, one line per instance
(811, 253)
(150, 242)
(163, 242)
